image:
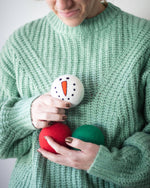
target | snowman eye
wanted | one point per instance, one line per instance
(67, 78)
(60, 79)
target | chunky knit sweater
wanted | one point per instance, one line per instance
(110, 54)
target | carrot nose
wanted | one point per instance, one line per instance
(64, 87)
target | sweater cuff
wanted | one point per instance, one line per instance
(101, 165)
(18, 117)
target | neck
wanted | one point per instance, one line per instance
(95, 24)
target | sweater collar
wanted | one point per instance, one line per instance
(90, 25)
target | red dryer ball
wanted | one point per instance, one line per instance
(58, 131)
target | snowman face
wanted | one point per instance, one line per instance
(68, 88)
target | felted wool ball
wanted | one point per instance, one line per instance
(68, 88)
(89, 133)
(58, 131)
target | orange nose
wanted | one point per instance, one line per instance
(64, 87)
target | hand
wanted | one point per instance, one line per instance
(46, 109)
(77, 159)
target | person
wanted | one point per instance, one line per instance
(109, 51)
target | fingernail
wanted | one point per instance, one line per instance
(68, 105)
(50, 123)
(68, 140)
(64, 117)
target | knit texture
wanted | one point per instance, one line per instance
(110, 54)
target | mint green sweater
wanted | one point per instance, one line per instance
(110, 54)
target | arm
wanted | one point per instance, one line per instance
(15, 123)
(16, 113)
(128, 166)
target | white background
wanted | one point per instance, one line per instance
(15, 13)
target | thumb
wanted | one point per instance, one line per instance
(76, 143)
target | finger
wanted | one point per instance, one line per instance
(49, 100)
(54, 110)
(76, 143)
(57, 147)
(61, 104)
(56, 158)
(52, 117)
(41, 124)
(49, 155)
(61, 111)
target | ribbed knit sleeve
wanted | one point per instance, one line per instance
(128, 166)
(15, 122)
(110, 54)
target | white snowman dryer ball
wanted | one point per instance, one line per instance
(68, 88)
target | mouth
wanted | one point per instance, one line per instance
(69, 13)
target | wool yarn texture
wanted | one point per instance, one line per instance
(110, 54)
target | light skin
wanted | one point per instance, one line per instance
(74, 12)
(76, 159)
(46, 109)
